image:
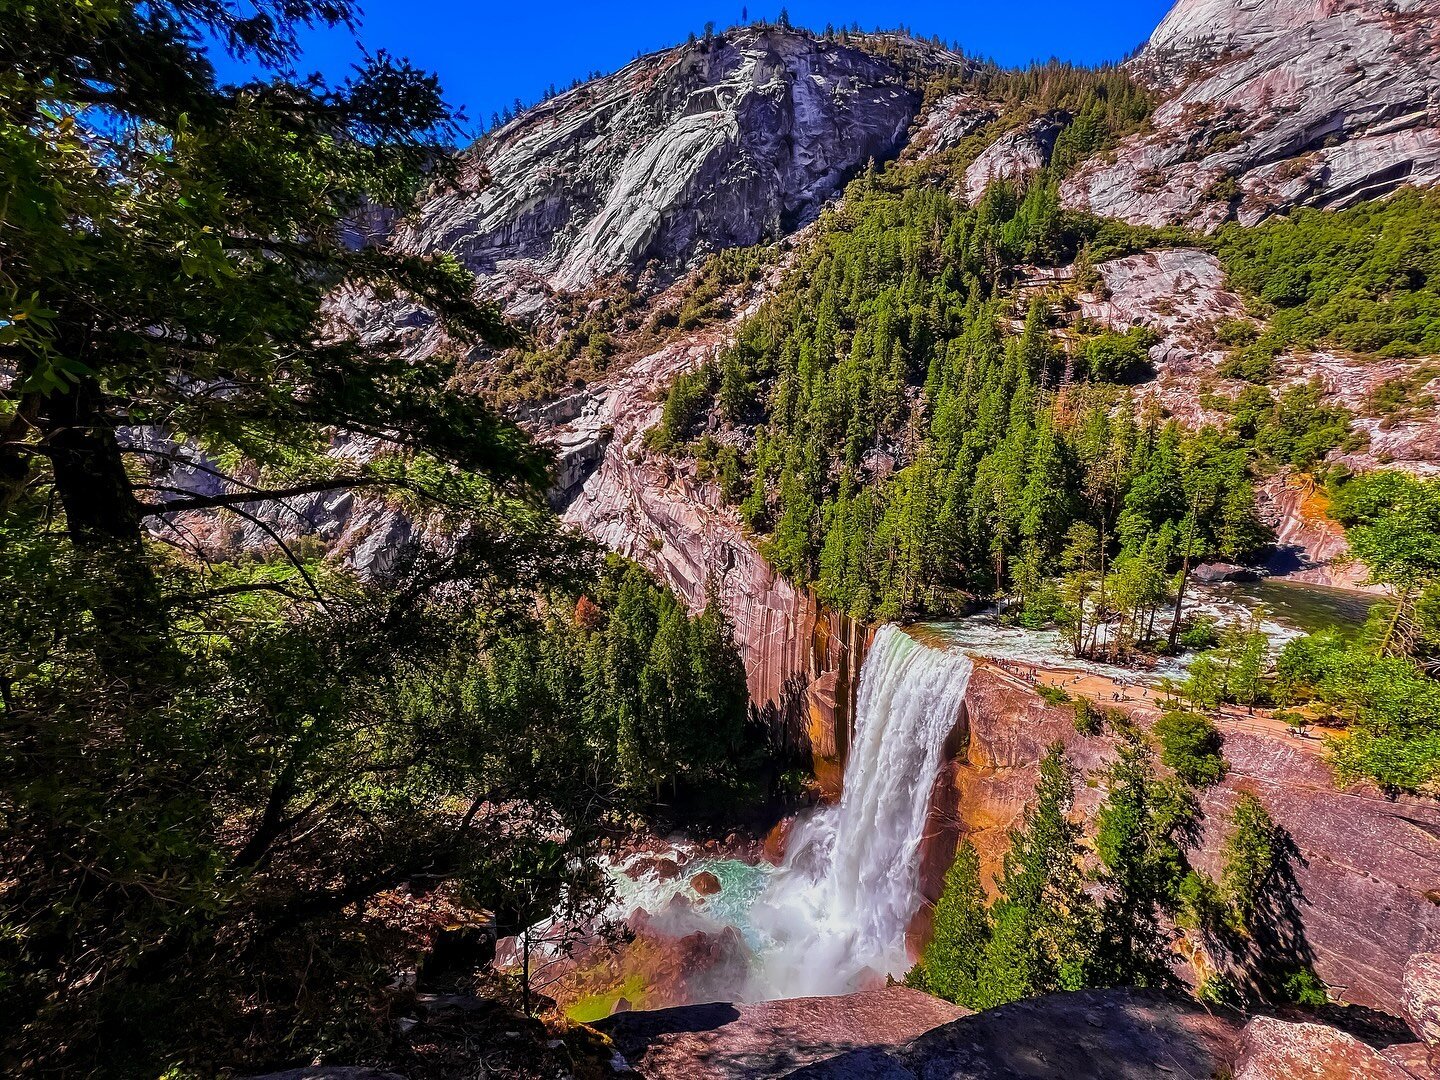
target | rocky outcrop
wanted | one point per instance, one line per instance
(1272, 1049)
(1410, 440)
(1421, 999)
(1273, 104)
(681, 153)
(801, 661)
(1014, 155)
(1309, 544)
(949, 122)
(770, 1038)
(1369, 864)
(1093, 1035)
(1180, 293)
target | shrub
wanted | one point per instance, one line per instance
(1088, 719)
(1190, 745)
(1052, 695)
(1304, 987)
(1202, 633)
(1232, 332)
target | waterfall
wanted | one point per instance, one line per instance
(836, 910)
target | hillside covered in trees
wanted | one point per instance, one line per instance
(256, 781)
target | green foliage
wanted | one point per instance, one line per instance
(1364, 278)
(1292, 428)
(903, 448)
(1142, 831)
(1052, 695)
(1304, 987)
(1201, 633)
(686, 402)
(1234, 671)
(661, 695)
(953, 965)
(1190, 745)
(1043, 920)
(227, 769)
(1390, 705)
(1254, 857)
(1120, 357)
(1039, 933)
(1220, 991)
(1384, 690)
(1088, 719)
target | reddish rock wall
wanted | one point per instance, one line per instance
(1371, 864)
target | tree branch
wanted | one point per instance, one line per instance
(230, 500)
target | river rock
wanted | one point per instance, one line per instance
(660, 867)
(705, 883)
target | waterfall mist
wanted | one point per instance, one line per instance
(836, 910)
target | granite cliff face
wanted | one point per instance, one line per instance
(1273, 104)
(684, 152)
(800, 660)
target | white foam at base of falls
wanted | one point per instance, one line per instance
(835, 912)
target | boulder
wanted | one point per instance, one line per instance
(705, 883)
(1273, 1049)
(724, 1041)
(1420, 997)
(1091, 1035)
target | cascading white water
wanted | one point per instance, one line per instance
(836, 910)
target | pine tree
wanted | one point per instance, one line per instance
(954, 961)
(1044, 922)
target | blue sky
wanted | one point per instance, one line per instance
(487, 54)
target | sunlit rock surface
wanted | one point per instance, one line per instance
(1272, 1049)
(681, 153)
(772, 1038)
(1276, 103)
(1369, 863)
(800, 660)
(1013, 156)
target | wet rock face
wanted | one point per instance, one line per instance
(1276, 103)
(681, 153)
